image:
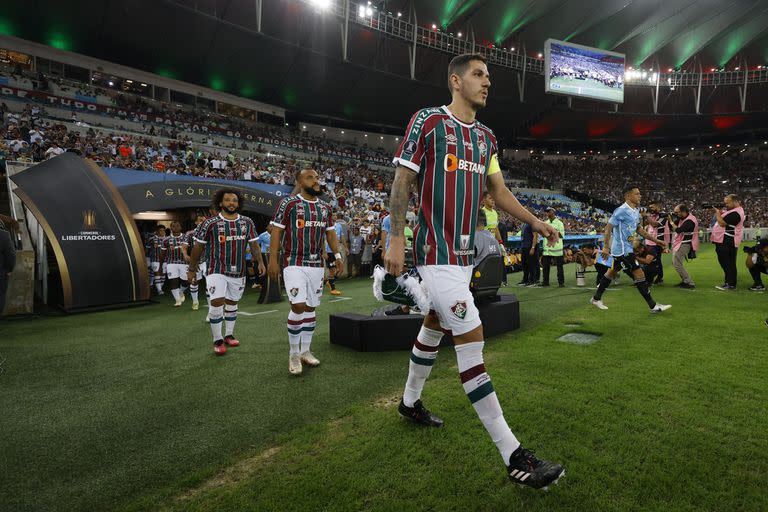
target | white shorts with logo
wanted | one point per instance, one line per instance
(177, 271)
(201, 269)
(155, 266)
(448, 288)
(304, 284)
(221, 286)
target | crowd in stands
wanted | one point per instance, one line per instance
(165, 119)
(694, 181)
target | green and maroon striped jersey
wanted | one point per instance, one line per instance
(155, 247)
(172, 248)
(452, 159)
(226, 241)
(304, 224)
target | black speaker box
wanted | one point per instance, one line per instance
(367, 333)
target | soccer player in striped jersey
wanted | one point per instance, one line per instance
(302, 223)
(224, 237)
(174, 257)
(154, 249)
(189, 243)
(450, 157)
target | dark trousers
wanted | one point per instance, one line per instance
(726, 256)
(530, 265)
(658, 270)
(756, 270)
(3, 291)
(546, 263)
(601, 270)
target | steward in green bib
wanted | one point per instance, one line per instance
(553, 253)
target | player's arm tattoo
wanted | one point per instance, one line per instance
(275, 237)
(256, 252)
(643, 233)
(398, 201)
(197, 250)
(607, 234)
(333, 241)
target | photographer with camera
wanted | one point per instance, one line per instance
(757, 263)
(686, 242)
(658, 227)
(727, 233)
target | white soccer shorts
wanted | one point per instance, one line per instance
(177, 271)
(221, 286)
(304, 284)
(448, 288)
(155, 266)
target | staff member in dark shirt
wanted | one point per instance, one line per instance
(685, 229)
(7, 263)
(529, 250)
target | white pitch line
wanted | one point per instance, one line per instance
(259, 313)
(340, 299)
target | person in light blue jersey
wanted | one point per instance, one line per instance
(331, 260)
(620, 233)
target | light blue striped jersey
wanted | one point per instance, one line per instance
(624, 221)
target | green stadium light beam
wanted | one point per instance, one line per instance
(59, 40)
(741, 36)
(6, 27)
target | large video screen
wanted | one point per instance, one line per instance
(582, 71)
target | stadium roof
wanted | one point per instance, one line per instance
(295, 61)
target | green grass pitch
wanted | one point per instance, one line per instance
(129, 410)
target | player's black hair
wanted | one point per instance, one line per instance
(459, 65)
(588, 246)
(683, 208)
(628, 188)
(218, 197)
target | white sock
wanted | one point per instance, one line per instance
(230, 315)
(176, 294)
(193, 292)
(159, 284)
(294, 331)
(307, 330)
(216, 314)
(423, 356)
(478, 387)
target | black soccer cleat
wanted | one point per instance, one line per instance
(525, 469)
(419, 414)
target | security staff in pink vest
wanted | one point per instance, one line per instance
(726, 235)
(685, 244)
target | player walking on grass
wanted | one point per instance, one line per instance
(306, 222)
(620, 232)
(173, 255)
(155, 254)
(225, 237)
(189, 243)
(451, 157)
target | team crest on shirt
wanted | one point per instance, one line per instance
(464, 242)
(294, 292)
(482, 146)
(459, 309)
